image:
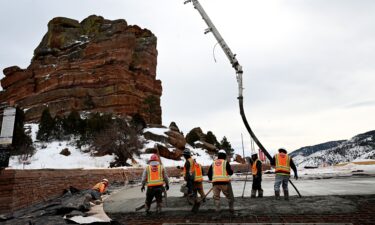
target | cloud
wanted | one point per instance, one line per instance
(303, 61)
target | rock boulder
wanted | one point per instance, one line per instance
(96, 65)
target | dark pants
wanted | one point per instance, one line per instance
(155, 191)
(257, 183)
(190, 185)
(95, 195)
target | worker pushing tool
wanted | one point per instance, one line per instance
(219, 173)
(282, 163)
(154, 176)
(189, 175)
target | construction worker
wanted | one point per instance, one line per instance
(256, 169)
(282, 163)
(155, 176)
(219, 173)
(198, 179)
(189, 174)
(98, 189)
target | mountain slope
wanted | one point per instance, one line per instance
(360, 147)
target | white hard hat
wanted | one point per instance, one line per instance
(222, 151)
(105, 180)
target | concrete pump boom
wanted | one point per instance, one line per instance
(238, 68)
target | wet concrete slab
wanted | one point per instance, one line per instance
(319, 196)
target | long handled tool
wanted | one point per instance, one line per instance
(237, 67)
(161, 163)
(197, 203)
(243, 154)
(144, 205)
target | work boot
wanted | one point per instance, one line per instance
(231, 207)
(147, 208)
(260, 193)
(253, 193)
(277, 195)
(286, 195)
(217, 205)
(158, 208)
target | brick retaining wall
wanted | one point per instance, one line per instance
(22, 188)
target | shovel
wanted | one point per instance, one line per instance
(197, 203)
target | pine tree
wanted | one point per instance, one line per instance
(46, 126)
(225, 145)
(22, 143)
(73, 124)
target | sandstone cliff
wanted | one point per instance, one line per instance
(93, 65)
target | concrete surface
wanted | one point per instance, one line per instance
(319, 196)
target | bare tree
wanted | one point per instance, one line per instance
(119, 139)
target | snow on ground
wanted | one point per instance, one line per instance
(347, 169)
(48, 155)
(157, 131)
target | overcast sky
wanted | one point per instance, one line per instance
(309, 65)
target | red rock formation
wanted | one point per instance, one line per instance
(95, 65)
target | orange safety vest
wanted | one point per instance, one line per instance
(192, 169)
(100, 187)
(154, 175)
(282, 162)
(219, 171)
(198, 173)
(254, 168)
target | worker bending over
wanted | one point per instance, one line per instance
(98, 190)
(155, 176)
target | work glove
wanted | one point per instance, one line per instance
(167, 187)
(142, 188)
(296, 176)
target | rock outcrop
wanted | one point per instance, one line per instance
(95, 65)
(171, 142)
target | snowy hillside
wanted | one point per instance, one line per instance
(358, 148)
(48, 155)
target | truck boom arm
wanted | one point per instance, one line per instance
(211, 28)
(238, 68)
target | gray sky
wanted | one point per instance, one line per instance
(309, 65)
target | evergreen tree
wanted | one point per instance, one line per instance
(225, 145)
(73, 124)
(22, 143)
(46, 126)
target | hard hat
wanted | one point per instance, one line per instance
(222, 152)
(154, 157)
(105, 180)
(186, 152)
(282, 150)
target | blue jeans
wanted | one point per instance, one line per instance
(281, 179)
